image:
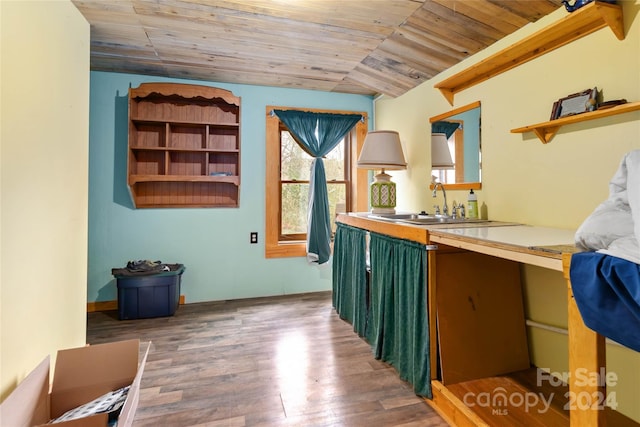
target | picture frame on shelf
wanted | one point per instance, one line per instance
(554, 110)
(576, 103)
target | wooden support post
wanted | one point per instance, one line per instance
(587, 364)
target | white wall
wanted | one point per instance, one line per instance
(523, 180)
(44, 180)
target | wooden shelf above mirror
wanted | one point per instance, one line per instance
(545, 131)
(586, 20)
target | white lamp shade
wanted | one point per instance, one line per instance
(382, 150)
(440, 154)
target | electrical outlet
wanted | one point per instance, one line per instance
(253, 237)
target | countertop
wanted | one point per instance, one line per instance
(514, 235)
(536, 245)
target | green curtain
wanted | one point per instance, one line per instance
(448, 128)
(318, 134)
(398, 325)
(349, 276)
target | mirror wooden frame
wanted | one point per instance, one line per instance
(443, 116)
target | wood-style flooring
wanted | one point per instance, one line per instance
(278, 361)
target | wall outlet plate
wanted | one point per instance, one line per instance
(253, 237)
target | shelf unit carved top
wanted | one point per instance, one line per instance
(186, 91)
(584, 21)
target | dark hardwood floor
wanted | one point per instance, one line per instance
(281, 361)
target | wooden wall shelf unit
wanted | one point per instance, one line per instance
(184, 146)
(546, 130)
(587, 19)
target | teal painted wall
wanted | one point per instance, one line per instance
(213, 244)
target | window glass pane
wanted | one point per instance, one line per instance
(334, 163)
(295, 166)
(295, 162)
(337, 194)
(445, 176)
(294, 208)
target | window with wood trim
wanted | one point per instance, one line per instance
(287, 184)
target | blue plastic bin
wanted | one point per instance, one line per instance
(144, 296)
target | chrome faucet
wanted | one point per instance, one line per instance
(462, 211)
(445, 209)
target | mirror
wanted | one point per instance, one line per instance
(456, 148)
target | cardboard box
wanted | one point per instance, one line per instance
(81, 375)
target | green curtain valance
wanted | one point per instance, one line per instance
(448, 128)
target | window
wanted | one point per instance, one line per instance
(295, 166)
(287, 184)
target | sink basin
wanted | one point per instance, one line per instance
(440, 220)
(394, 216)
(423, 219)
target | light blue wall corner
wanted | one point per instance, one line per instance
(213, 244)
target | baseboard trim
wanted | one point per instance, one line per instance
(113, 305)
(102, 306)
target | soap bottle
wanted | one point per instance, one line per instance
(472, 205)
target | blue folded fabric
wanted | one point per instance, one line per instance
(607, 293)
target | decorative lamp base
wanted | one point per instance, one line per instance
(383, 194)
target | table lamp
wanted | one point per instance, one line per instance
(382, 150)
(440, 154)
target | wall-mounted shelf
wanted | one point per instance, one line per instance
(184, 146)
(546, 130)
(587, 19)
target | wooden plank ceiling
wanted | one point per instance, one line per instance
(354, 46)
